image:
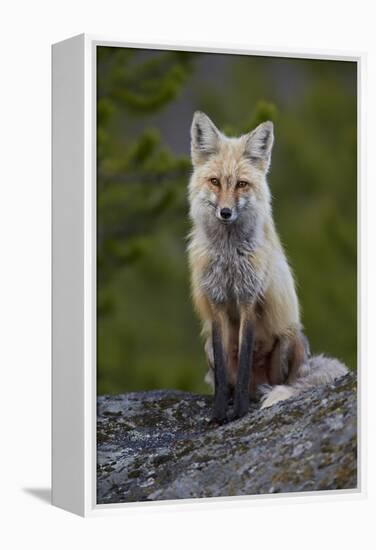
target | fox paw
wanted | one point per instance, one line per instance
(241, 407)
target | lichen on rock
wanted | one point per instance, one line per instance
(161, 445)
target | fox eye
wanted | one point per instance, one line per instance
(215, 181)
(241, 184)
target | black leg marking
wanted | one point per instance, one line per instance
(220, 376)
(241, 403)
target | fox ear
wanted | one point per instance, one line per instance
(205, 138)
(259, 145)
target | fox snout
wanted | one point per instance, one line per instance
(226, 214)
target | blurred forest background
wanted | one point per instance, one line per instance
(148, 335)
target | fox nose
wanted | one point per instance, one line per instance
(225, 213)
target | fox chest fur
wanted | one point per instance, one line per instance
(230, 275)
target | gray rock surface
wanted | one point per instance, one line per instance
(161, 445)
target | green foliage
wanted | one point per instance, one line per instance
(148, 336)
(143, 291)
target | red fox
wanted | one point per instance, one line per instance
(242, 285)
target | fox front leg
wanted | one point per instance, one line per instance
(221, 393)
(241, 401)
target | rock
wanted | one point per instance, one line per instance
(161, 445)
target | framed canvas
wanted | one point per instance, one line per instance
(206, 253)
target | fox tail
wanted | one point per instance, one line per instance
(318, 370)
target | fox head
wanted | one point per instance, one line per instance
(228, 184)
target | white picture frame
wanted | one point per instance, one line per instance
(74, 273)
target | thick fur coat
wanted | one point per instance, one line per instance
(242, 285)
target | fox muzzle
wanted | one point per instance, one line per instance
(226, 215)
